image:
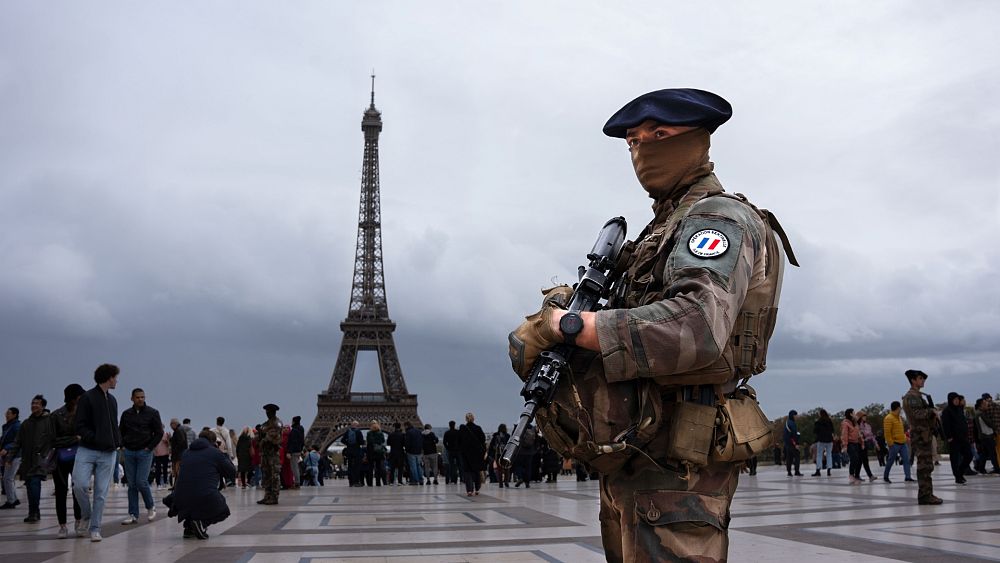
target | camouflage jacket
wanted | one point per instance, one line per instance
(697, 278)
(920, 416)
(270, 436)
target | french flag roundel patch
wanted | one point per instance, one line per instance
(708, 243)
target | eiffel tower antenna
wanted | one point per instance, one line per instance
(367, 326)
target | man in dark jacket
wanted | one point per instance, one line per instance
(354, 453)
(956, 431)
(397, 454)
(414, 449)
(11, 464)
(178, 445)
(196, 500)
(452, 457)
(34, 442)
(430, 454)
(96, 414)
(791, 436)
(296, 445)
(142, 430)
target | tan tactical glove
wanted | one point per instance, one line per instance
(535, 334)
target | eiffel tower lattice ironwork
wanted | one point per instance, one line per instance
(367, 326)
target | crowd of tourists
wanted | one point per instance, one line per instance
(967, 433)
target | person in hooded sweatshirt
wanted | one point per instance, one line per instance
(196, 500)
(956, 431)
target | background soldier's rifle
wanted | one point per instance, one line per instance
(938, 427)
(593, 287)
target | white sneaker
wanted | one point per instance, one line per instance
(95, 536)
(82, 527)
(63, 532)
(151, 515)
(130, 520)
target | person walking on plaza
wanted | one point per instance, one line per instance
(96, 456)
(227, 447)
(895, 438)
(66, 442)
(161, 461)
(376, 451)
(34, 446)
(11, 463)
(296, 446)
(310, 462)
(397, 454)
(956, 432)
(867, 443)
(497, 444)
(987, 435)
(141, 430)
(188, 431)
(791, 438)
(472, 442)
(414, 450)
(922, 417)
(178, 445)
(430, 454)
(269, 440)
(196, 500)
(850, 435)
(452, 455)
(244, 467)
(354, 453)
(823, 430)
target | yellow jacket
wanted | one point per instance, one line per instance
(892, 427)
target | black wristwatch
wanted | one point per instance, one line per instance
(571, 325)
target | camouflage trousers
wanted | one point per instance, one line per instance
(925, 466)
(651, 515)
(270, 469)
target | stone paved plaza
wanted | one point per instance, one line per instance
(775, 519)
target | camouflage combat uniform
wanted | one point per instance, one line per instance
(270, 459)
(921, 417)
(684, 325)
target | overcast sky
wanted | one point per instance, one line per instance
(179, 188)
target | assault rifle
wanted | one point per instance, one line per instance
(593, 287)
(938, 427)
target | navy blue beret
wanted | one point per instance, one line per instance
(674, 106)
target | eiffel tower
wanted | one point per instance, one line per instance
(367, 326)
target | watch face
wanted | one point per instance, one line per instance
(571, 323)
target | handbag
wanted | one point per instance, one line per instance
(47, 461)
(67, 454)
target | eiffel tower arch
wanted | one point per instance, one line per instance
(367, 326)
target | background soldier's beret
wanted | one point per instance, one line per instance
(271, 407)
(912, 374)
(674, 106)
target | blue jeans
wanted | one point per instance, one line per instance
(824, 450)
(33, 485)
(903, 450)
(137, 464)
(100, 466)
(416, 472)
(9, 473)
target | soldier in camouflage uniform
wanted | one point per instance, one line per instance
(269, 441)
(922, 418)
(696, 305)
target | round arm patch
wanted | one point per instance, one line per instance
(708, 243)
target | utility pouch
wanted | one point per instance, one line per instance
(692, 431)
(743, 429)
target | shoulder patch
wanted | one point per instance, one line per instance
(708, 243)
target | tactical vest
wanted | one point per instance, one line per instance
(590, 414)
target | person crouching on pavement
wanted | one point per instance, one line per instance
(196, 500)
